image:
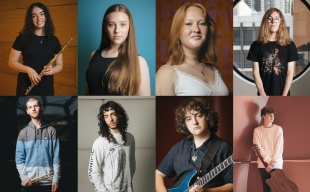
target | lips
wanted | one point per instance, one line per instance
(196, 37)
(117, 37)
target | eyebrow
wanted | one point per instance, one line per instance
(39, 13)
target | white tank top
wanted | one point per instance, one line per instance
(188, 85)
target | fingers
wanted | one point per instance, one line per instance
(48, 71)
(53, 188)
(196, 188)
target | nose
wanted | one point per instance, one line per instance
(111, 119)
(195, 121)
(196, 28)
(116, 30)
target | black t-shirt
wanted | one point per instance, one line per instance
(98, 66)
(273, 64)
(36, 55)
(178, 162)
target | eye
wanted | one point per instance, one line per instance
(33, 16)
(189, 24)
(203, 24)
(111, 25)
(123, 24)
(188, 119)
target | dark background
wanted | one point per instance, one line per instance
(166, 135)
(61, 111)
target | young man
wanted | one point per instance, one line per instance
(112, 161)
(198, 124)
(269, 138)
(273, 56)
(37, 151)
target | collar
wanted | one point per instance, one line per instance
(205, 144)
(44, 123)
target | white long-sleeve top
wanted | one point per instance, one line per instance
(112, 166)
(270, 141)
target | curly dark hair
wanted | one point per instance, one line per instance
(266, 110)
(28, 29)
(203, 107)
(122, 121)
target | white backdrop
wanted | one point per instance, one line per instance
(141, 113)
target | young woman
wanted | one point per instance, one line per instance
(116, 68)
(38, 45)
(273, 56)
(191, 56)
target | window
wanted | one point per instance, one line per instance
(236, 35)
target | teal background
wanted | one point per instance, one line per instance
(90, 16)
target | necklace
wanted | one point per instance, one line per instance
(39, 39)
(194, 157)
(271, 48)
(196, 68)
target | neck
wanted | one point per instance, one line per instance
(191, 56)
(114, 130)
(36, 122)
(272, 37)
(267, 124)
(200, 139)
(112, 50)
(39, 32)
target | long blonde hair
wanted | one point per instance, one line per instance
(124, 72)
(283, 37)
(175, 53)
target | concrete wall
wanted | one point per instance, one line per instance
(141, 114)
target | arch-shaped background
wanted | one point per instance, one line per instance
(298, 26)
(292, 115)
(221, 13)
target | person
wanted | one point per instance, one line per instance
(37, 151)
(191, 56)
(269, 138)
(116, 68)
(273, 55)
(198, 123)
(112, 161)
(38, 45)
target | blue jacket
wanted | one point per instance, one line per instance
(37, 153)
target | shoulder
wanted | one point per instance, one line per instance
(130, 136)
(180, 145)
(92, 54)
(19, 38)
(257, 129)
(100, 141)
(23, 132)
(279, 128)
(143, 63)
(166, 70)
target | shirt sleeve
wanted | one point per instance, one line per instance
(263, 153)
(228, 172)
(253, 53)
(17, 45)
(57, 46)
(94, 170)
(167, 164)
(133, 157)
(20, 158)
(292, 52)
(278, 151)
(56, 159)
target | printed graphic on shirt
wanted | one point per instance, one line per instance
(271, 62)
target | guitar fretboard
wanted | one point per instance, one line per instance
(205, 179)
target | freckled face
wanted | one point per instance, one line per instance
(195, 29)
(117, 27)
(196, 123)
(38, 18)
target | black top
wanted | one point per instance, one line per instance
(178, 162)
(98, 66)
(273, 60)
(36, 55)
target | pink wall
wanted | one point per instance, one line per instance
(292, 114)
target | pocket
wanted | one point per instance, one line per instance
(117, 158)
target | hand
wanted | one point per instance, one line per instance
(262, 94)
(54, 186)
(27, 182)
(33, 76)
(48, 70)
(271, 165)
(198, 188)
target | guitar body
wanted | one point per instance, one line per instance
(185, 184)
(280, 183)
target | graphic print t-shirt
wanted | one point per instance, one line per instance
(273, 59)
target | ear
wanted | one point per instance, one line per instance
(42, 108)
(27, 111)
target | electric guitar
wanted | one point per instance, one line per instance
(184, 187)
(278, 181)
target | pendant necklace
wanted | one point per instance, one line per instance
(271, 48)
(39, 39)
(202, 73)
(194, 157)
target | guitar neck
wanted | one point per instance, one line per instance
(205, 179)
(257, 153)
